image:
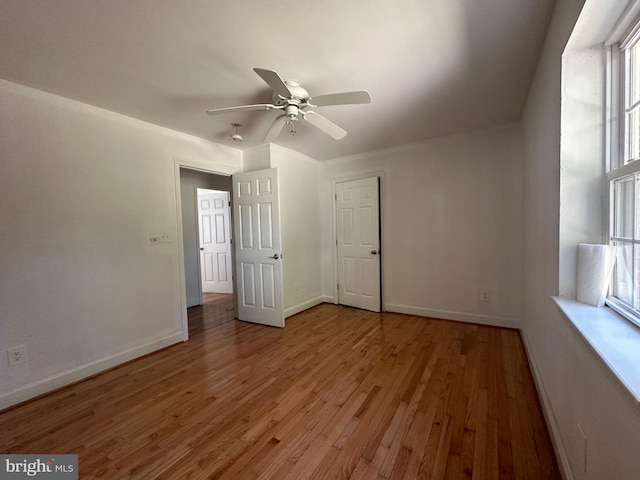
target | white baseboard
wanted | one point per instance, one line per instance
(495, 321)
(290, 311)
(550, 419)
(73, 375)
(328, 299)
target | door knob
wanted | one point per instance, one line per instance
(201, 248)
(276, 256)
(374, 252)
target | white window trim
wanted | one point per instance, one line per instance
(616, 143)
(610, 337)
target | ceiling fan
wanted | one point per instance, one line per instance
(296, 102)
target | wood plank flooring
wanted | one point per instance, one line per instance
(338, 393)
(216, 308)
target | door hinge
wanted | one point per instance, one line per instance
(336, 197)
(336, 242)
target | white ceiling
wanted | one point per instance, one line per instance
(433, 67)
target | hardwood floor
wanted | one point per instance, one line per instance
(338, 393)
(216, 308)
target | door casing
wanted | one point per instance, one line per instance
(178, 163)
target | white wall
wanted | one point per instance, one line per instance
(451, 224)
(298, 177)
(257, 158)
(582, 153)
(573, 383)
(82, 190)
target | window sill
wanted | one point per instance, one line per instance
(615, 340)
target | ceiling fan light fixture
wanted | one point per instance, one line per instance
(236, 137)
(295, 101)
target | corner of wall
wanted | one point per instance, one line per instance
(256, 158)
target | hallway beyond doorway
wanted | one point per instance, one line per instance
(216, 309)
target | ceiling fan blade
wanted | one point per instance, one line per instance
(327, 126)
(241, 108)
(274, 81)
(344, 98)
(275, 129)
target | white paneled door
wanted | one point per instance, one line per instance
(215, 241)
(358, 243)
(258, 248)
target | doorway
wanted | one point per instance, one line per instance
(257, 254)
(207, 303)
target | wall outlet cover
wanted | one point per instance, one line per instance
(484, 295)
(17, 355)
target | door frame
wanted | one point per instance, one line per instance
(226, 171)
(334, 181)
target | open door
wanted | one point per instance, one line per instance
(257, 247)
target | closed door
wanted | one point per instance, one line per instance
(215, 241)
(358, 243)
(258, 252)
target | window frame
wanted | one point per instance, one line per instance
(619, 165)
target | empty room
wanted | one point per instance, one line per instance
(287, 240)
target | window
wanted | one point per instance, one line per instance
(624, 182)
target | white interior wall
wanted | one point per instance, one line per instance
(83, 189)
(582, 153)
(451, 224)
(576, 388)
(257, 158)
(298, 177)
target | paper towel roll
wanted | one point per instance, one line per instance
(595, 264)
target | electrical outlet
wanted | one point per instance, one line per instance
(17, 355)
(484, 295)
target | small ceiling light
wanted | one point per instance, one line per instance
(236, 137)
(292, 123)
